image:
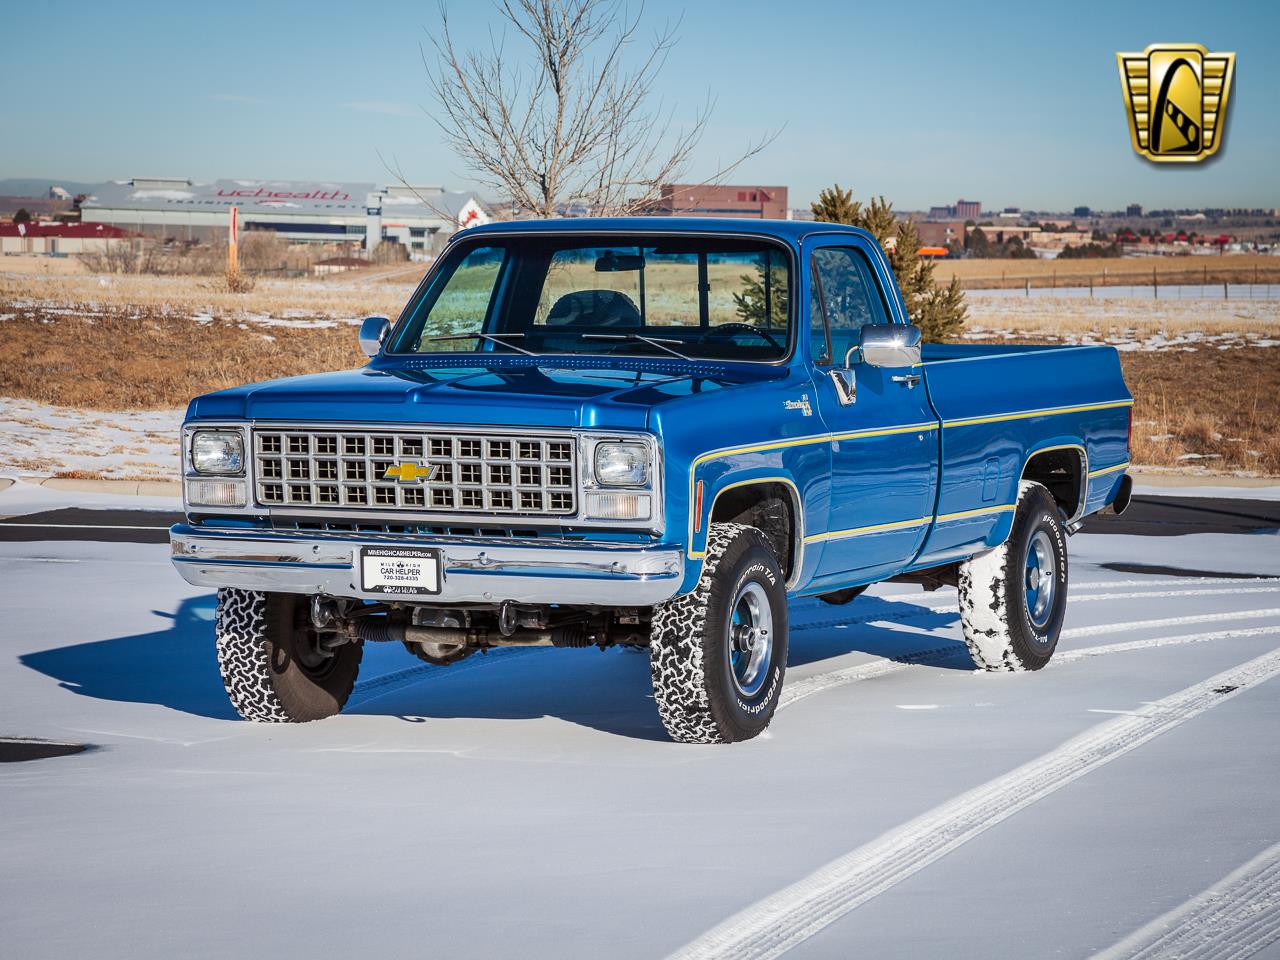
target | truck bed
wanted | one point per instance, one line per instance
(1001, 404)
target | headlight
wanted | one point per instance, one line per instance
(622, 464)
(217, 452)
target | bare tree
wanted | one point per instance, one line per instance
(573, 122)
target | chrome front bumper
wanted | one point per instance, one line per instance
(480, 570)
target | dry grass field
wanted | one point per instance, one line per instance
(341, 296)
(1206, 374)
(1121, 318)
(131, 359)
(1234, 268)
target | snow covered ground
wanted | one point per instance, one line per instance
(527, 804)
(41, 440)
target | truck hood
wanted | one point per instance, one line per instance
(511, 392)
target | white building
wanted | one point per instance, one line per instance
(420, 218)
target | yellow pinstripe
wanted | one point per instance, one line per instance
(889, 431)
(1105, 470)
(1025, 414)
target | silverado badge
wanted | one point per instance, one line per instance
(802, 404)
(1176, 97)
(410, 472)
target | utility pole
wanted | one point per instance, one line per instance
(233, 229)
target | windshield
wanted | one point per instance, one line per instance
(695, 297)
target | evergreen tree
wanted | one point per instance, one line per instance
(979, 245)
(836, 206)
(760, 307)
(939, 312)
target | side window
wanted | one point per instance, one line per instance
(462, 304)
(846, 288)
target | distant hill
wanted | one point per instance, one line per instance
(39, 187)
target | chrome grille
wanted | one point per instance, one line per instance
(422, 472)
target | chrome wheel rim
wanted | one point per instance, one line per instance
(750, 639)
(1041, 578)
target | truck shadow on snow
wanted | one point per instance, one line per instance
(881, 626)
(175, 667)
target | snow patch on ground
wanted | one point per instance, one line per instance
(994, 315)
(288, 317)
(1128, 340)
(42, 440)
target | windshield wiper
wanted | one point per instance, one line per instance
(659, 342)
(500, 341)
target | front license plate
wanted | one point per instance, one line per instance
(394, 571)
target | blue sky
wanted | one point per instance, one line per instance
(1010, 104)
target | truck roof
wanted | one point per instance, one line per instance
(790, 230)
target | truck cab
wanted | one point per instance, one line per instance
(649, 432)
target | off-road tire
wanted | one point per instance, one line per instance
(998, 627)
(258, 636)
(692, 681)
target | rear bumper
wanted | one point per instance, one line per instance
(473, 570)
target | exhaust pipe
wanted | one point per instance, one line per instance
(384, 630)
(1123, 496)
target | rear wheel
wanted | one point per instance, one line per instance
(1013, 598)
(273, 665)
(718, 655)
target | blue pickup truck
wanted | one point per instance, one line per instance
(649, 432)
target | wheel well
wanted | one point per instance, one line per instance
(768, 506)
(1062, 472)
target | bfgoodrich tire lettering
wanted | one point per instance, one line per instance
(1003, 628)
(269, 675)
(691, 653)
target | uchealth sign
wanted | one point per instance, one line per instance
(251, 196)
(268, 195)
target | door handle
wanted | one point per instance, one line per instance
(910, 379)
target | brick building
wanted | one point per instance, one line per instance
(723, 200)
(939, 233)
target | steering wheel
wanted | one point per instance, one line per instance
(736, 327)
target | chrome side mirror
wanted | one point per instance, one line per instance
(890, 344)
(372, 332)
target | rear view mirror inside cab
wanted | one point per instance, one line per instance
(619, 262)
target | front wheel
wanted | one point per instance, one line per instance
(1013, 598)
(273, 665)
(718, 655)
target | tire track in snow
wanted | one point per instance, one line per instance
(772, 926)
(1084, 653)
(1235, 918)
(388, 683)
(1176, 581)
(1170, 622)
(950, 604)
(1155, 594)
(796, 690)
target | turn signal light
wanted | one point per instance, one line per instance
(215, 493)
(618, 506)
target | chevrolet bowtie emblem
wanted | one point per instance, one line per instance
(1176, 98)
(411, 472)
